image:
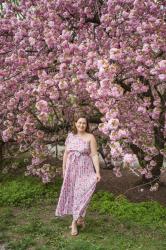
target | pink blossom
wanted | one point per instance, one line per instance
(103, 127)
(122, 133)
(145, 48)
(42, 105)
(144, 171)
(155, 47)
(43, 116)
(113, 123)
(162, 77)
(7, 134)
(148, 175)
(162, 65)
(40, 134)
(117, 172)
(113, 135)
(117, 91)
(116, 149)
(115, 53)
(153, 71)
(11, 104)
(129, 158)
(142, 110)
(148, 158)
(153, 163)
(139, 58)
(63, 84)
(140, 70)
(32, 41)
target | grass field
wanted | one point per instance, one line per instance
(112, 223)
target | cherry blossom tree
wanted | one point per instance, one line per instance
(60, 55)
(38, 98)
(131, 82)
(123, 54)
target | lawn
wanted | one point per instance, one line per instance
(112, 223)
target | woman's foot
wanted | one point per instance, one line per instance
(80, 222)
(74, 230)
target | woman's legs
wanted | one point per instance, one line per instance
(78, 222)
(74, 230)
(79, 217)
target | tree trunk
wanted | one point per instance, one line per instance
(156, 171)
(139, 153)
(159, 139)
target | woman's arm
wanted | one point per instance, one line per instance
(94, 155)
(64, 161)
(65, 154)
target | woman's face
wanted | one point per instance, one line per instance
(81, 125)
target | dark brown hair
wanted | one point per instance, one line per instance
(76, 118)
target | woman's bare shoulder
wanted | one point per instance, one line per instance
(91, 136)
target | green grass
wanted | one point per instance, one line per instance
(27, 191)
(150, 214)
(112, 223)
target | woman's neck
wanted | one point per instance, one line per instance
(81, 133)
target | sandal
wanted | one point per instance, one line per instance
(80, 222)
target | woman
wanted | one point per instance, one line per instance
(79, 175)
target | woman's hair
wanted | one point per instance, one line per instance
(76, 118)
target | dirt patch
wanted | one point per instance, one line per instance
(125, 185)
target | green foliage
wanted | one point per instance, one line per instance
(22, 244)
(83, 245)
(27, 191)
(6, 219)
(105, 199)
(113, 223)
(149, 213)
(14, 165)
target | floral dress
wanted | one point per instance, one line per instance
(79, 181)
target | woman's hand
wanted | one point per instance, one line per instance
(98, 177)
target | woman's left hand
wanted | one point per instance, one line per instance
(98, 177)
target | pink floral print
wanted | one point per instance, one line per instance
(79, 181)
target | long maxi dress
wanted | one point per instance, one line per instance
(79, 181)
